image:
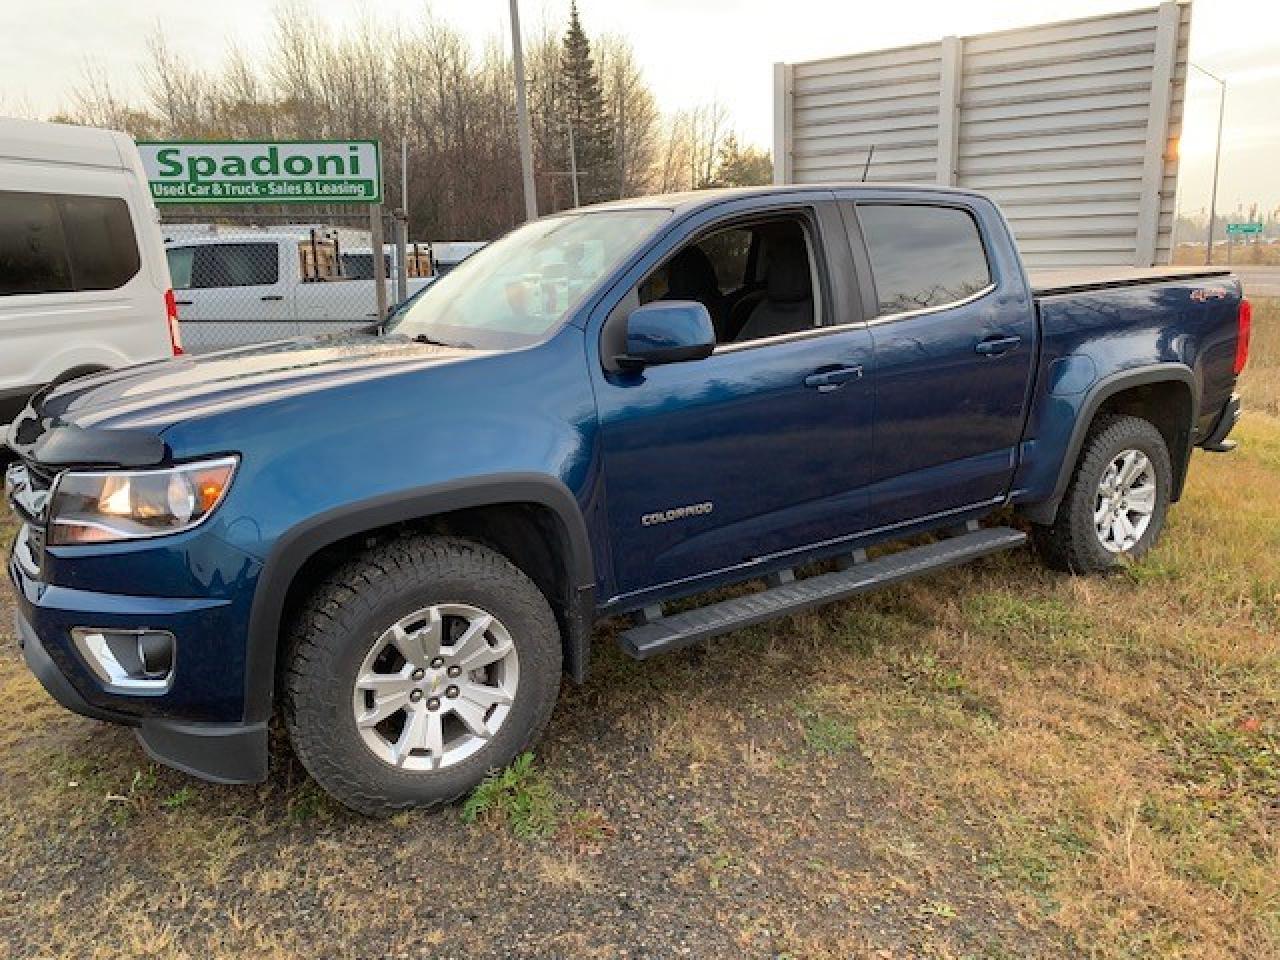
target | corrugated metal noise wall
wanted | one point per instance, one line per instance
(1071, 127)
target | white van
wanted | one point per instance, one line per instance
(84, 284)
(237, 289)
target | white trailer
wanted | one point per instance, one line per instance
(1071, 127)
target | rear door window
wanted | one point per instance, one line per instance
(63, 243)
(923, 256)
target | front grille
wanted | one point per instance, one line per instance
(41, 477)
(28, 486)
(28, 549)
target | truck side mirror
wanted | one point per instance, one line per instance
(667, 331)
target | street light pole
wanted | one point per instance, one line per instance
(522, 118)
(1217, 157)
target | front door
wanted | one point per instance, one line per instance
(763, 447)
(954, 347)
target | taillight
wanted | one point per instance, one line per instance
(1244, 325)
(171, 313)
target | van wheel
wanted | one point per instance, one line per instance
(1114, 508)
(417, 669)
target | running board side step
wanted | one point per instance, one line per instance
(786, 596)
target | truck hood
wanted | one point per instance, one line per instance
(147, 398)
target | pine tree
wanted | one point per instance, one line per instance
(593, 133)
(739, 166)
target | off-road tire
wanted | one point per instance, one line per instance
(342, 620)
(1071, 543)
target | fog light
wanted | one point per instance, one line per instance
(155, 654)
(128, 661)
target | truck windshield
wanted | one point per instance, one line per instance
(514, 291)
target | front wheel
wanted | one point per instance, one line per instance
(417, 669)
(1114, 508)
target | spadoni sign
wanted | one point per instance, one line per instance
(213, 171)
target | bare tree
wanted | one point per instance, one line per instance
(177, 91)
(708, 126)
(633, 113)
(425, 82)
(95, 103)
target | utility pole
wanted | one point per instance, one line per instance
(573, 166)
(622, 137)
(1217, 157)
(404, 174)
(522, 118)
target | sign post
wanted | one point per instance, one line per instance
(252, 171)
(1240, 230)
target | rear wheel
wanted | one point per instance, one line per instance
(1115, 506)
(416, 670)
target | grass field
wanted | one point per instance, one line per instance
(998, 762)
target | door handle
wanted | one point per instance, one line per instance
(994, 346)
(184, 303)
(271, 296)
(827, 380)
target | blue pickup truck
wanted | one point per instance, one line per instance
(401, 538)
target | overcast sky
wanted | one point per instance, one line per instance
(692, 51)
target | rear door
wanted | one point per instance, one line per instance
(231, 293)
(954, 343)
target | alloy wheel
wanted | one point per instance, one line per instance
(1125, 501)
(435, 687)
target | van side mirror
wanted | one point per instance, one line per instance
(667, 331)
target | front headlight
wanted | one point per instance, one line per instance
(110, 505)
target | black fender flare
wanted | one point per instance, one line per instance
(304, 540)
(1045, 511)
(84, 370)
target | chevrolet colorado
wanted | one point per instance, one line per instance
(402, 538)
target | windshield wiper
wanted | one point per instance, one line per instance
(460, 345)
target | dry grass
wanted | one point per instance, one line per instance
(1261, 377)
(1251, 254)
(998, 762)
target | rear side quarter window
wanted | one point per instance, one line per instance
(923, 256)
(65, 243)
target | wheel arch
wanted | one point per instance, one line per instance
(83, 370)
(1166, 394)
(462, 503)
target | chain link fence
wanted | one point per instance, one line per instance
(244, 278)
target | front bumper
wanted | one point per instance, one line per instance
(179, 727)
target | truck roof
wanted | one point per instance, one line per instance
(688, 200)
(176, 238)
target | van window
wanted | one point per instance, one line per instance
(223, 265)
(923, 256)
(63, 243)
(359, 266)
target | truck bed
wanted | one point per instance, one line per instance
(1049, 282)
